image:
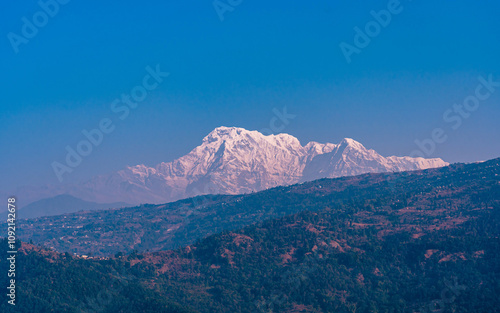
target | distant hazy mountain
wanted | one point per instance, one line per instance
(63, 204)
(233, 160)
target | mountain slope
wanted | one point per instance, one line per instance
(423, 241)
(171, 225)
(53, 282)
(233, 160)
(351, 158)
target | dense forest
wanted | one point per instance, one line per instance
(423, 241)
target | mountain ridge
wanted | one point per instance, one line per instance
(175, 224)
(390, 242)
(233, 160)
(63, 204)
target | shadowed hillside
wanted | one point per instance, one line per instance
(392, 200)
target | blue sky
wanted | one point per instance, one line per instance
(234, 72)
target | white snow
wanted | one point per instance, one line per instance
(232, 160)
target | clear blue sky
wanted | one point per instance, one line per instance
(263, 55)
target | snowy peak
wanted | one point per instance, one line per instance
(225, 133)
(240, 137)
(350, 146)
(233, 160)
(350, 142)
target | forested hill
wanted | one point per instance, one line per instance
(411, 242)
(420, 195)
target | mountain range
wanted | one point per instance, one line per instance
(419, 241)
(232, 160)
(446, 191)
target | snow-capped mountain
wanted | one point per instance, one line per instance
(233, 160)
